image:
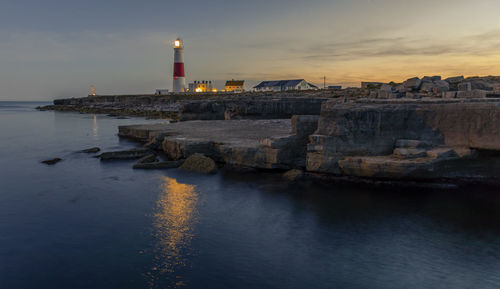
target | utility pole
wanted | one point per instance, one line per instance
(324, 82)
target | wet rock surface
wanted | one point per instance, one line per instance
(91, 150)
(125, 155)
(293, 175)
(158, 165)
(51, 162)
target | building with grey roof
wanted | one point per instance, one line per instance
(284, 85)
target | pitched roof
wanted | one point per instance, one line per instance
(235, 83)
(280, 83)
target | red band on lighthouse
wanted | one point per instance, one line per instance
(178, 69)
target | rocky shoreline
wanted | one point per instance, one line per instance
(418, 131)
(425, 141)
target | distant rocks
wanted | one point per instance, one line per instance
(200, 164)
(431, 78)
(51, 161)
(435, 87)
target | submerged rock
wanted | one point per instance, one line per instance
(51, 161)
(91, 150)
(151, 158)
(124, 155)
(200, 164)
(158, 165)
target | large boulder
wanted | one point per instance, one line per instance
(431, 78)
(464, 86)
(455, 79)
(427, 86)
(413, 83)
(200, 164)
(481, 85)
(400, 89)
(440, 86)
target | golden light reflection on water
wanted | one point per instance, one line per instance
(173, 224)
(95, 127)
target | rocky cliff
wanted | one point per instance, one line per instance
(200, 107)
(401, 139)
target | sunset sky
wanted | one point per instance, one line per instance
(52, 49)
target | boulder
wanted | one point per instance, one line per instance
(465, 86)
(293, 175)
(400, 89)
(386, 87)
(442, 153)
(431, 78)
(200, 164)
(455, 79)
(387, 94)
(440, 86)
(413, 83)
(51, 161)
(481, 85)
(427, 86)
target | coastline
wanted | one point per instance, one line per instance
(339, 135)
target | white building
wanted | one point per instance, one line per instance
(161, 91)
(284, 85)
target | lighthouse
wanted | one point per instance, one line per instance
(179, 77)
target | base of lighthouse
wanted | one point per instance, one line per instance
(179, 85)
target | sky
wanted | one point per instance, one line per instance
(55, 49)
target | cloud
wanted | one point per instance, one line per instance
(486, 43)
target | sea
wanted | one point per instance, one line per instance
(83, 223)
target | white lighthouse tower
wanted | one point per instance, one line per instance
(179, 77)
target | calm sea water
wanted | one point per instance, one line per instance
(87, 224)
